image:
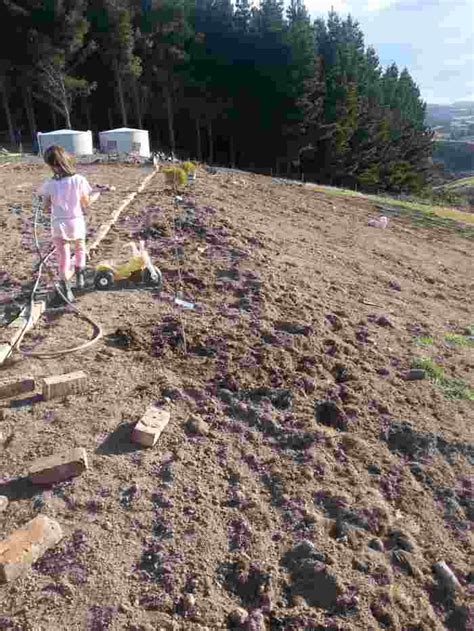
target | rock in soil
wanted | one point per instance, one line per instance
(416, 374)
(3, 503)
(446, 577)
(198, 426)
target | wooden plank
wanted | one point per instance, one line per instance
(17, 328)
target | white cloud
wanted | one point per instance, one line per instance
(459, 61)
(428, 36)
(378, 5)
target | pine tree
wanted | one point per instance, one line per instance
(242, 16)
(57, 45)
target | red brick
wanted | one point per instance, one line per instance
(26, 545)
(14, 387)
(149, 427)
(58, 467)
(64, 385)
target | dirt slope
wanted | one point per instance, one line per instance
(314, 487)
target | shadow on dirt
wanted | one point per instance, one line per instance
(118, 442)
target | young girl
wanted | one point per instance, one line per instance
(66, 194)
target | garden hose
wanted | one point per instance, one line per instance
(98, 333)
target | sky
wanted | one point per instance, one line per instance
(434, 39)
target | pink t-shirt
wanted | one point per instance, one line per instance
(67, 217)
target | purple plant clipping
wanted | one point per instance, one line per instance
(100, 617)
(362, 334)
(48, 416)
(390, 483)
(240, 534)
(151, 602)
(65, 560)
(129, 495)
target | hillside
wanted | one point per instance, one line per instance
(302, 482)
(463, 188)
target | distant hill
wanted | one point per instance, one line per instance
(454, 135)
(452, 122)
(463, 188)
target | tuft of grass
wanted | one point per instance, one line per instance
(459, 340)
(175, 175)
(432, 369)
(457, 389)
(424, 340)
(189, 167)
(452, 388)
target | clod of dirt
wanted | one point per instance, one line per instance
(247, 581)
(238, 618)
(377, 545)
(384, 321)
(402, 540)
(202, 350)
(294, 328)
(460, 618)
(122, 338)
(361, 566)
(198, 426)
(303, 550)
(5, 414)
(310, 577)
(228, 274)
(334, 322)
(280, 398)
(404, 561)
(403, 438)
(341, 374)
(329, 414)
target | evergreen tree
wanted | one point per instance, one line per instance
(242, 16)
(251, 85)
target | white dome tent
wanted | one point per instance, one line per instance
(78, 143)
(125, 140)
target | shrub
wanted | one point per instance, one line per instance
(175, 175)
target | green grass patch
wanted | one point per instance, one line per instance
(423, 340)
(432, 369)
(421, 212)
(456, 389)
(459, 340)
(465, 181)
(451, 388)
(14, 157)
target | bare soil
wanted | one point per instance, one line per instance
(301, 479)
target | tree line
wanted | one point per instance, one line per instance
(220, 81)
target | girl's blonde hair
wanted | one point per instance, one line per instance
(60, 161)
